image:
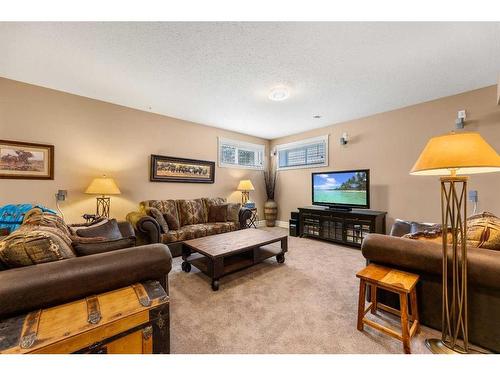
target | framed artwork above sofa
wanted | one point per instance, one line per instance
(172, 169)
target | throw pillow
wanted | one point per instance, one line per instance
(483, 230)
(211, 202)
(74, 227)
(217, 213)
(424, 227)
(26, 247)
(169, 210)
(400, 228)
(108, 230)
(41, 220)
(233, 212)
(158, 216)
(96, 245)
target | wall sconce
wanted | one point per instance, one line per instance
(60, 197)
(460, 121)
(344, 139)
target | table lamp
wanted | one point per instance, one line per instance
(103, 186)
(245, 186)
(449, 156)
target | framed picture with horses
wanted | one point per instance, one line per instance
(24, 160)
(171, 169)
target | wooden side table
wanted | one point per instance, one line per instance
(399, 282)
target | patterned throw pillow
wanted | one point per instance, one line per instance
(169, 210)
(483, 230)
(28, 246)
(217, 213)
(46, 220)
(233, 212)
(191, 211)
(158, 216)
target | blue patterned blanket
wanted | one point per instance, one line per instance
(12, 215)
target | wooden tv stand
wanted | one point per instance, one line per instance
(345, 227)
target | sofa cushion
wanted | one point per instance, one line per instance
(108, 230)
(191, 212)
(158, 216)
(28, 246)
(217, 213)
(190, 232)
(233, 212)
(169, 210)
(483, 230)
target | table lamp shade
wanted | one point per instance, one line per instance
(464, 153)
(103, 186)
(245, 185)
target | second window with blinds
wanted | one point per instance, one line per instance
(307, 153)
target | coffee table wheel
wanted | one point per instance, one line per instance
(280, 258)
(215, 285)
(186, 267)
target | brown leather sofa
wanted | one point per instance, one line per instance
(148, 230)
(24, 289)
(425, 259)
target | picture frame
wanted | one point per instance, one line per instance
(24, 160)
(173, 169)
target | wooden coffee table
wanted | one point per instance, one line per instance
(222, 254)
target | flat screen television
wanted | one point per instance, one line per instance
(342, 189)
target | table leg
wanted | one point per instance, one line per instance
(217, 270)
(414, 309)
(405, 331)
(373, 292)
(361, 303)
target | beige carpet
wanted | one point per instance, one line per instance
(306, 305)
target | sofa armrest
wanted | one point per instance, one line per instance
(146, 228)
(426, 257)
(33, 287)
(244, 215)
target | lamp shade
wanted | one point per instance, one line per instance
(463, 153)
(103, 186)
(245, 185)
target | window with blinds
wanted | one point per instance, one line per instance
(237, 154)
(308, 153)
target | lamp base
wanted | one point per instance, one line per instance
(103, 204)
(437, 346)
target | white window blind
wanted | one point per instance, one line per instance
(238, 154)
(308, 153)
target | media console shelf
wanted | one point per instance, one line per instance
(345, 227)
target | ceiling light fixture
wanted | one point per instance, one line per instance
(279, 93)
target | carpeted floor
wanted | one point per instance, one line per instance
(306, 305)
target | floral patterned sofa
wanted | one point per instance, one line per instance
(173, 221)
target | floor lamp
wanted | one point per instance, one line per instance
(451, 156)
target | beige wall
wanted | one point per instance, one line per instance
(93, 137)
(388, 144)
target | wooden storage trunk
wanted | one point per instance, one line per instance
(131, 320)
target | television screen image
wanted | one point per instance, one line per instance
(344, 188)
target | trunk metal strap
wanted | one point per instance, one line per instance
(30, 329)
(93, 310)
(142, 295)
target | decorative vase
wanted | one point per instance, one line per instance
(270, 212)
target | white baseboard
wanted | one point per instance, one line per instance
(281, 224)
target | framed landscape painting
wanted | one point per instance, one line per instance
(24, 160)
(170, 169)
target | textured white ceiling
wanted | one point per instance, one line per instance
(220, 74)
